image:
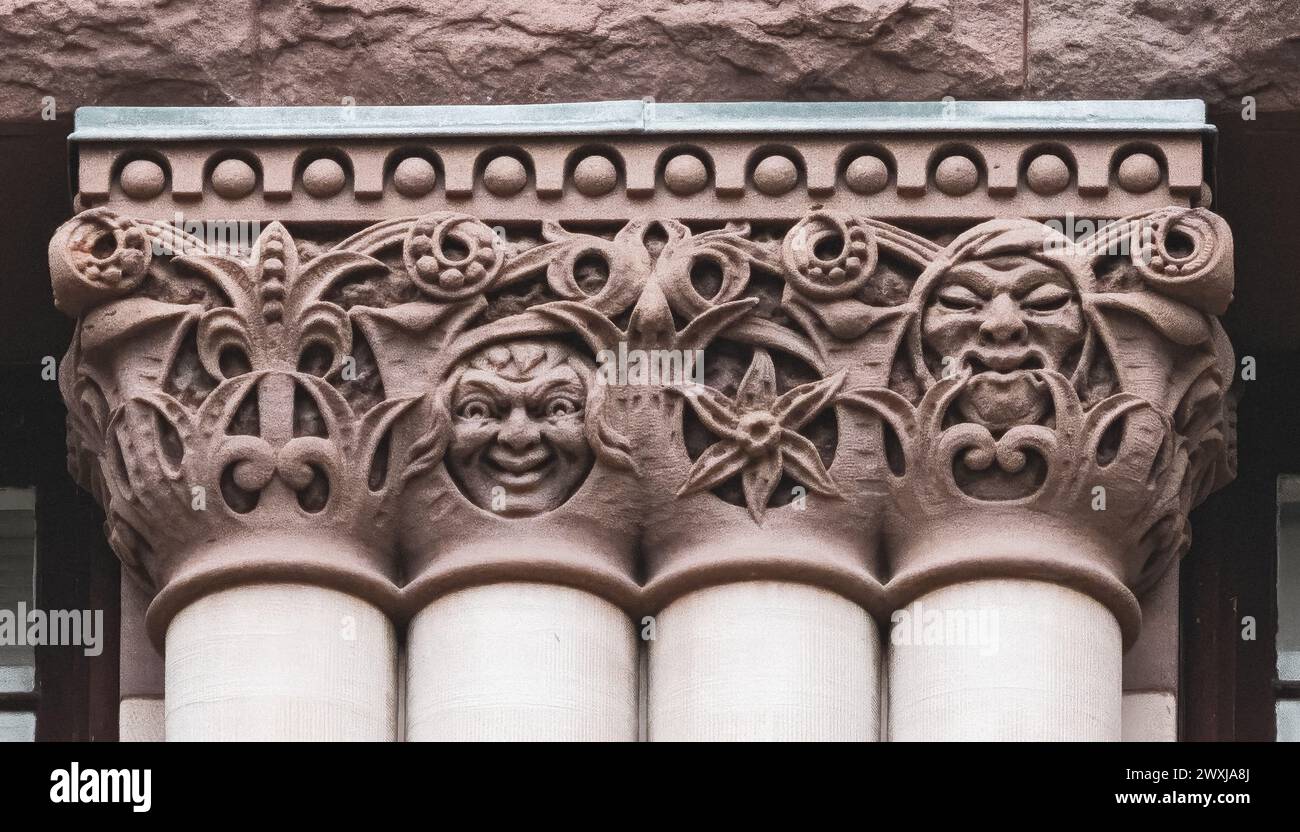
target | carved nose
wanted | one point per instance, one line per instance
(519, 433)
(1003, 325)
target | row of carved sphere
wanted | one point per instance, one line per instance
(684, 174)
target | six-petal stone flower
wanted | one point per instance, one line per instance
(758, 435)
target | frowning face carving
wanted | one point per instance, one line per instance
(518, 445)
(1001, 317)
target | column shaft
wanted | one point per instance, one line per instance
(521, 661)
(281, 662)
(1051, 669)
(764, 660)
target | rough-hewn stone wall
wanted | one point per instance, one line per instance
(508, 51)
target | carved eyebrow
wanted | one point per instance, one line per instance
(488, 387)
(1035, 278)
(968, 279)
(542, 388)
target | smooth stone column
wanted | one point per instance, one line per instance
(281, 661)
(1049, 668)
(141, 719)
(764, 660)
(521, 661)
(1150, 716)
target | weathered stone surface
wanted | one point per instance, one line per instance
(396, 52)
(1212, 49)
(387, 51)
(81, 52)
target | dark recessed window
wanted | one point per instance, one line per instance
(17, 593)
(1287, 682)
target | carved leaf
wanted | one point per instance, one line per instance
(796, 407)
(710, 323)
(800, 458)
(759, 481)
(716, 411)
(757, 388)
(719, 463)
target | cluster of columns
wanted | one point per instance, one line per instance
(306, 449)
(753, 660)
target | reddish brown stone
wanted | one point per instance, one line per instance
(390, 52)
(386, 51)
(165, 53)
(395, 52)
(1211, 49)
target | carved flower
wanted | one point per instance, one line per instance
(759, 436)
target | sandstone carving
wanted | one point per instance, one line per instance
(518, 445)
(606, 399)
(758, 435)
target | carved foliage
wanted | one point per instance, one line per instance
(269, 445)
(1009, 366)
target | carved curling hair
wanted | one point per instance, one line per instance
(878, 412)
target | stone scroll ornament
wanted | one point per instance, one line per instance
(645, 408)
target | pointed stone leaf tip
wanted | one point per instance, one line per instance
(719, 463)
(599, 332)
(798, 406)
(758, 386)
(712, 322)
(651, 325)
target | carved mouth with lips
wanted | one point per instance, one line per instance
(519, 471)
(998, 361)
(999, 401)
(1003, 390)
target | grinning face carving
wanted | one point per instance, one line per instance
(1000, 317)
(518, 426)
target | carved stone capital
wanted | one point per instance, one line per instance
(617, 377)
(214, 400)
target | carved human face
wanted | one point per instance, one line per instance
(518, 446)
(999, 318)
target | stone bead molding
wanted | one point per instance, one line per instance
(642, 407)
(884, 168)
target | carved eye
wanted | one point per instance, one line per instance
(1046, 298)
(475, 409)
(561, 406)
(958, 298)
